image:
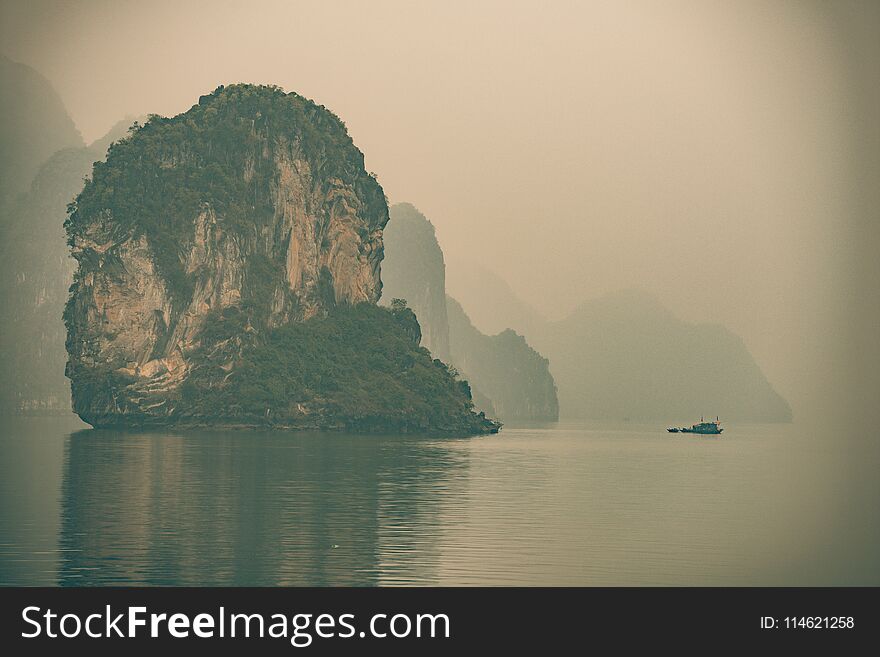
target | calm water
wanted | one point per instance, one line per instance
(559, 504)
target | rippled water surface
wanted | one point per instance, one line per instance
(559, 504)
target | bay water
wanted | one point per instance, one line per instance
(568, 503)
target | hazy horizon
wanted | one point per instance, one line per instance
(714, 154)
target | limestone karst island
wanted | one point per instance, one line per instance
(228, 274)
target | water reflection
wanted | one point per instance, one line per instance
(31, 465)
(251, 508)
(569, 504)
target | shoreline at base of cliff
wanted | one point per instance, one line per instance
(490, 427)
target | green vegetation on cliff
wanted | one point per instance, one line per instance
(361, 364)
(358, 369)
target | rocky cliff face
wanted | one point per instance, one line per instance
(253, 204)
(508, 378)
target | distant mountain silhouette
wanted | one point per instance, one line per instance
(35, 274)
(509, 380)
(413, 269)
(512, 374)
(491, 303)
(625, 355)
(34, 124)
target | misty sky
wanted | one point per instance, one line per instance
(703, 151)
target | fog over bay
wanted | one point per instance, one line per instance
(717, 155)
(608, 217)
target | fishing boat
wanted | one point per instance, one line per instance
(712, 427)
